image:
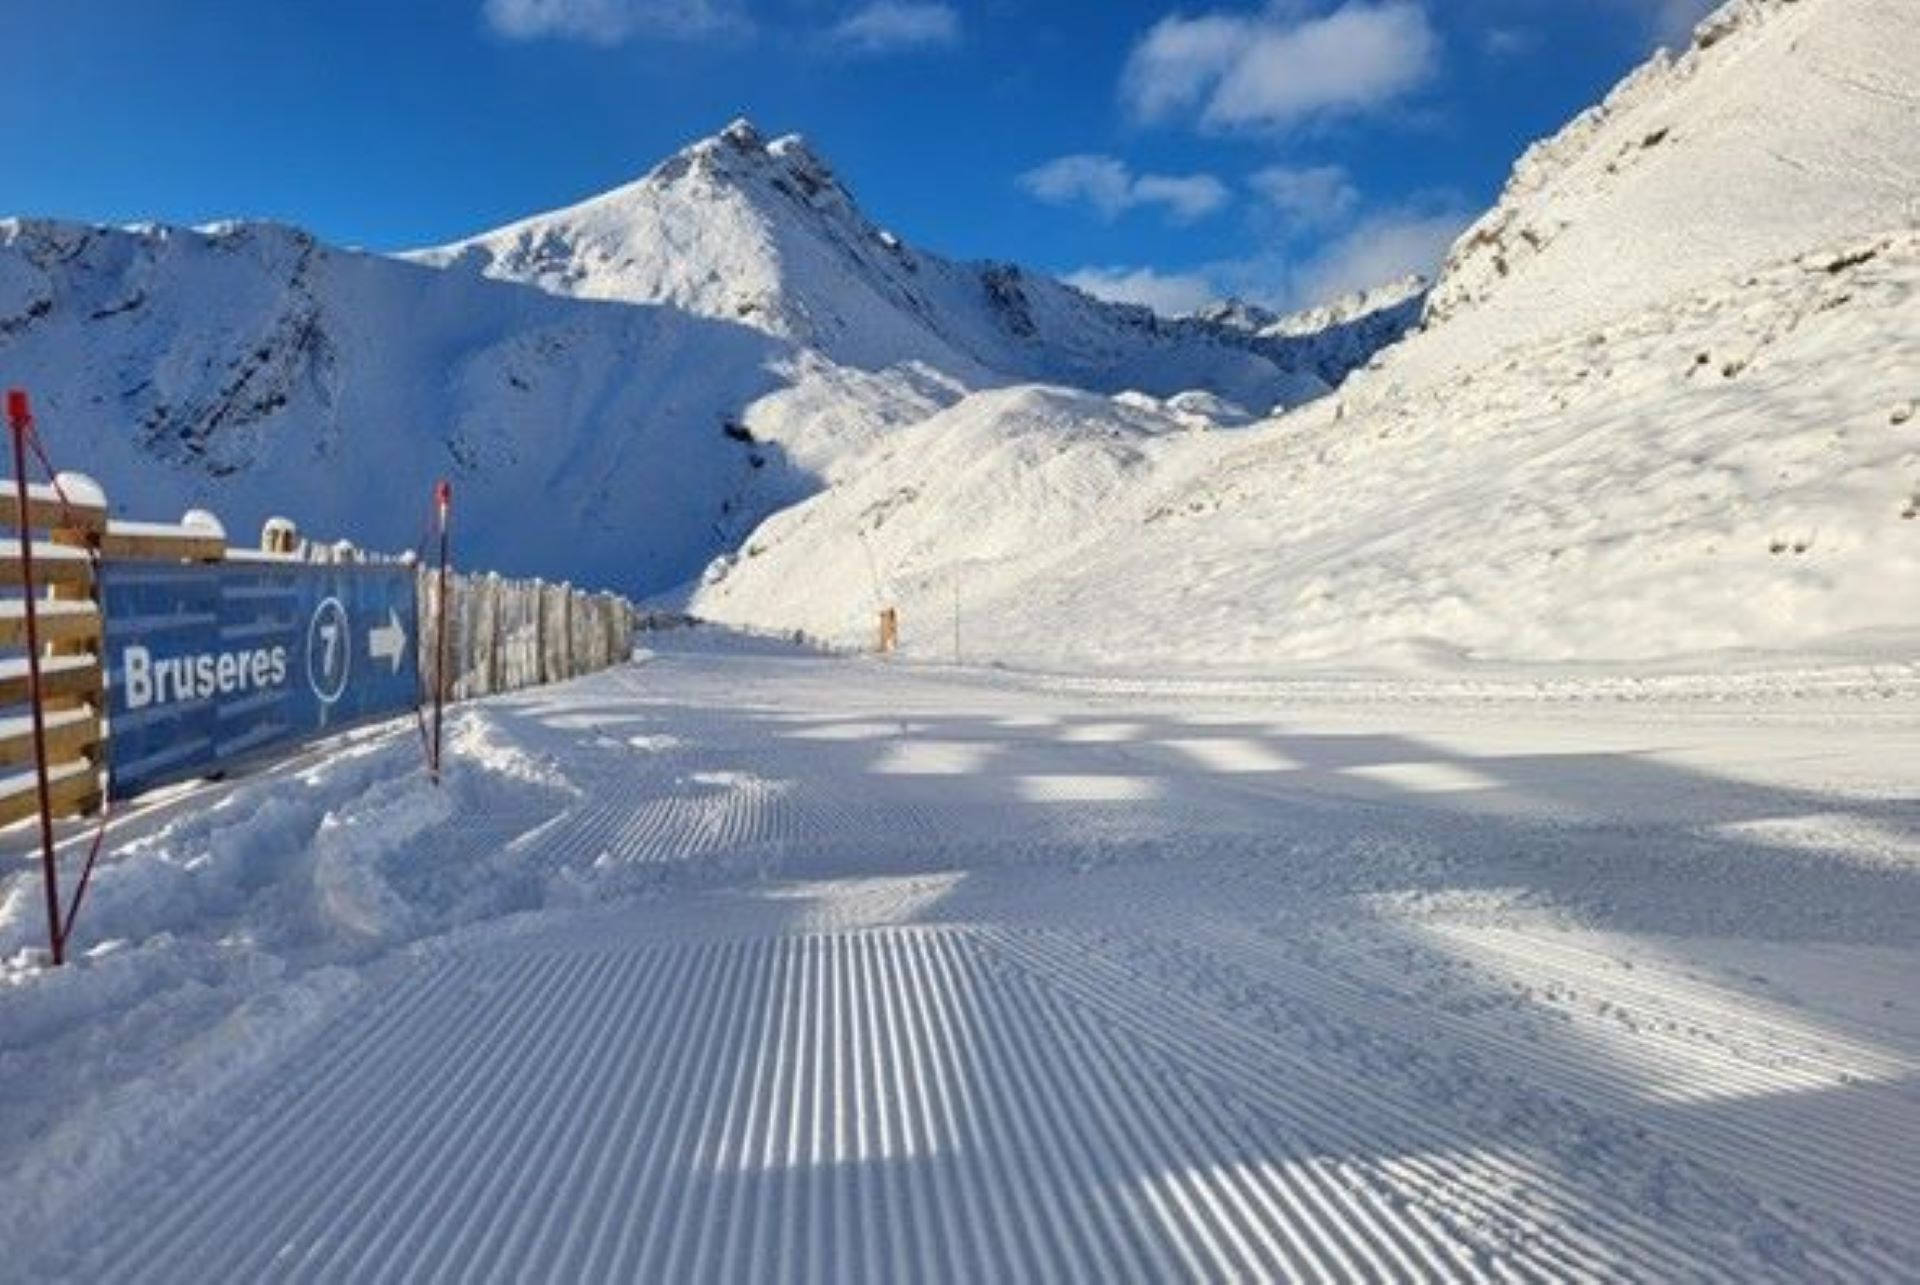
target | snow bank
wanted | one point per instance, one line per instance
(224, 926)
(1007, 477)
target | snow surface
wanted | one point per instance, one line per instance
(742, 963)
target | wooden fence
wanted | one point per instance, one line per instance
(63, 526)
(506, 634)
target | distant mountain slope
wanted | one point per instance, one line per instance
(1335, 338)
(254, 371)
(1734, 470)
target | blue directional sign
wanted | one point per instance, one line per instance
(210, 663)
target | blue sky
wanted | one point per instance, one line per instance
(1281, 150)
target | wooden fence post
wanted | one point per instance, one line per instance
(539, 632)
(492, 644)
(566, 617)
(68, 626)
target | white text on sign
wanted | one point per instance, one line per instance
(147, 681)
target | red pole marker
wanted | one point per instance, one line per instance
(443, 501)
(20, 419)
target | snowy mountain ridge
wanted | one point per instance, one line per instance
(665, 366)
(1251, 318)
(764, 234)
(253, 370)
(1335, 338)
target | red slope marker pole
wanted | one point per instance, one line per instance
(443, 502)
(20, 419)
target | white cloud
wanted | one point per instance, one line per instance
(1100, 181)
(1173, 67)
(1192, 197)
(1271, 70)
(1309, 197)
(1111, 189)
(611, 21)
(885, 26)
(1380, 248)
(1353, 248)
(1170, 294)
(1509, 42)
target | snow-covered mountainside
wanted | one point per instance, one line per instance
(765, 235)
(649, 375)
(1723, 471)
(254, 371)
(1663, 405)
(1789, 125)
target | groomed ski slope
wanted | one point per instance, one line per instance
(744, 964)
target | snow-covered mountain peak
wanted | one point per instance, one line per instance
(731, 227)
(1391, 296)
(741, 149)
(740, 163)
(740, 133)
(765, 235)
(1331, 340)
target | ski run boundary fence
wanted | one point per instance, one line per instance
(502, 635)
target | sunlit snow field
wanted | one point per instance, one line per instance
(745, 963)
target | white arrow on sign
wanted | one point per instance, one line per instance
(388, 641)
